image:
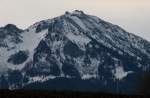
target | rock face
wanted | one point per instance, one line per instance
(74, 51)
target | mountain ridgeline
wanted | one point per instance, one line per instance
(76, 52)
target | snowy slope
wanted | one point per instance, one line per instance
(30, 41)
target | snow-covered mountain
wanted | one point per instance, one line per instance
(74, 51)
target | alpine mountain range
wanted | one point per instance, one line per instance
(75, 51)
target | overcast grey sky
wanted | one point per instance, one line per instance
(132, 15)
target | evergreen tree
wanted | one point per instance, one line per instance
(3, 83)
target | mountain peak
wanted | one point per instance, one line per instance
(12, 27)
(78, 12)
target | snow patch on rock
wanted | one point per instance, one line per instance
(79, 39)
(88, 76)
(120, 73)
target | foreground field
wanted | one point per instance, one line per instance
(49, 94)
